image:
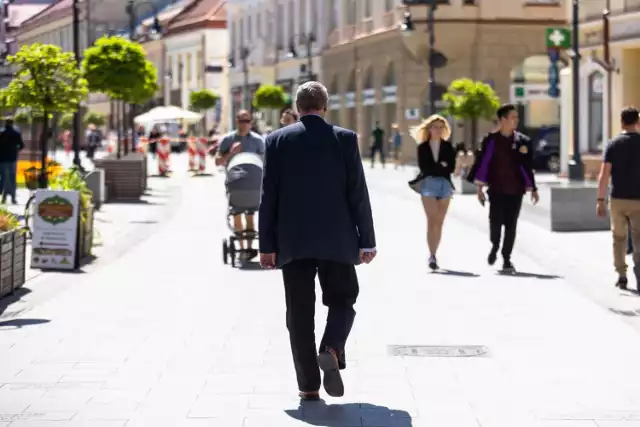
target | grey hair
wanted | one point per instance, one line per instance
(312, 96)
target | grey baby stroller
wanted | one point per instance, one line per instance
(244, 187)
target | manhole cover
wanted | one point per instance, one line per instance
(438, 351)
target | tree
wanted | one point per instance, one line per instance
(269, 97)
(118, 68)
(94, 118)
(47, 81)
(66, 121)
(203, 100)
(471, 100)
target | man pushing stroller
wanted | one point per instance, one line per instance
(241, 140)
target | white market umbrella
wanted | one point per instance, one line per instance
(168, 113)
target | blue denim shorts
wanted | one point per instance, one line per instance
(436, 187)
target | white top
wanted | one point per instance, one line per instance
(435, 149)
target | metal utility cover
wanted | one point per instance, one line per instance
(438, 351)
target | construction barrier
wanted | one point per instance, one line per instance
(202, 154)
(143, 144)
(164, 152)
(192, 152)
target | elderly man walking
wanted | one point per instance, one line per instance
(315, 219)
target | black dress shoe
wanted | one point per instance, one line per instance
(309, 396)
(622, 283)
(331, 380)
(493, 256)
(508, 268)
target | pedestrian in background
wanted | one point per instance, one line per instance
(436, 161)
(315, 219)
(288, 117)
(396, 144)
(621, 166)
(504, 164)
(94, 140)
(378, 145)
(10, 146)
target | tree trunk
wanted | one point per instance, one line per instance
(474, 134)
(43, 179)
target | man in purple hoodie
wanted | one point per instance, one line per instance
(504, 165)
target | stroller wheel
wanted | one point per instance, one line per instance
(232, 252)
(225, 252)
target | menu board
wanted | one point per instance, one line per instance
(55, 229)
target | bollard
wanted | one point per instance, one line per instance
(163, 151)
(202, 154)
(111, 146)
(192, 152)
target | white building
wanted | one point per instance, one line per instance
(274, 36)
(196, 51)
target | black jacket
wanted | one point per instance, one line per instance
(10, 144)
(433, 167)
(523, 152)
(315, 201)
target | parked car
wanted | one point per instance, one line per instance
(547, 152)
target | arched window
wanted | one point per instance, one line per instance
(390, 76)
(351, 85)
(368, 79)
(596, 110)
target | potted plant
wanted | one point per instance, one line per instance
(12, 253)
(72, 180)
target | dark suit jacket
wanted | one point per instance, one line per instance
(522, 152)
(10, 144)
(432, 167)
(315, 202)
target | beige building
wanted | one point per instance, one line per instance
(375, 72)
(604, 91)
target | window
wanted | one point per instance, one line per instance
(259, 25)
(242, 31)
(292, 21)
(199, 66)
(170, 66)
(333, 15)
(367, 9)
(279, 26)
(233, 37)
(302, 16)
(351, 12)
(314, 16)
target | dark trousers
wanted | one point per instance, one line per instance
(339, 284)
(8, 180)
(504, 210)
(380, 151)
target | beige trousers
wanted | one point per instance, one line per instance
(625, 212)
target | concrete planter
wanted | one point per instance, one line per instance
(125, 178)
(573, 208)
(85, 237)
(463, 186)
(12, 261)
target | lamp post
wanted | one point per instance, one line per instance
(308, 39)
(435, 58)
(576, 170)
(244, 56)
(131, 9)
(77, 125)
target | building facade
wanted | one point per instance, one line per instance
(277, 42)
(375, 72)
(605, 89)
(196, 51)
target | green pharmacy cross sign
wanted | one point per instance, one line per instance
(558, 38)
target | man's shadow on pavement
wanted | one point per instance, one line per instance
(339, 415)
(525, 275)
(455, 273)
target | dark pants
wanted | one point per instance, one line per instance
(339, 284)
(377, 149)
(504, 210)
(8, 180)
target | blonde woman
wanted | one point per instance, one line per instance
(436, 160)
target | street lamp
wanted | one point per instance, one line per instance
(244, 56)
(435, 58)
(131, 9)
(77, 125)
(576, 169)
(308, 40)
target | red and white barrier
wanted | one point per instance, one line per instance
(143, 144)
(192, 152)
(112, 145)
(164, 153)
(202, 154)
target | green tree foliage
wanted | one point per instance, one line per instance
(66, 121)
(269, 97)
(471, 100)
(118, 68)
(47, 80)
(203, 100)
(94, 118)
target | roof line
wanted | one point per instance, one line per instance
(37, 15)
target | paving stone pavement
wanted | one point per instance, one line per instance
(168, 336)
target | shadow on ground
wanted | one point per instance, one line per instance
(11, 299)
(525, 275)
(19, 323)
(455, 273)
(339, 415)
